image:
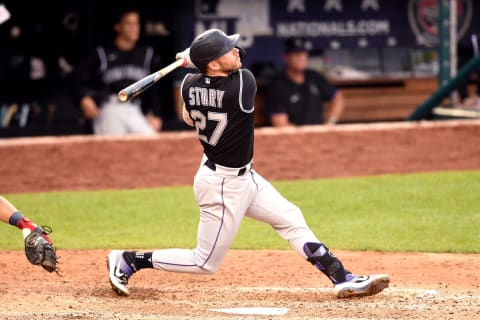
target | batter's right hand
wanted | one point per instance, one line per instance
(185, 54)
(89, 107)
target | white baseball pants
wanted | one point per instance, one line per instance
(121, 118)
(224, 198)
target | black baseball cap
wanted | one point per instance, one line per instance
(292, 45)
(211, 45)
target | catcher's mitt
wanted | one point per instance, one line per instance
(39, 249)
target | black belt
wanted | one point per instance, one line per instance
(212, 166)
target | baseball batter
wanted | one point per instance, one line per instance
(218, 102)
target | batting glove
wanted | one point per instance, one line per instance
(185, 54)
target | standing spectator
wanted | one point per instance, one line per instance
(110, 69)
(296, 95)
(466, 52)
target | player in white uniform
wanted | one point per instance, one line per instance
(219, 103)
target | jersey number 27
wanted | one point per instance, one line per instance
(201, 123)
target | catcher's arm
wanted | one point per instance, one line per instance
(39, 248)
(6, 209)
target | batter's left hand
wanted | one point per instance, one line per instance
(185, 54)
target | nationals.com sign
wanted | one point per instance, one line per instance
(328, 24)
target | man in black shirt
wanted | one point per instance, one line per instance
(468, 50)
(219, 103)
(296, 95)
(110, 69)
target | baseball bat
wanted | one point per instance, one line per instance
(143, 84)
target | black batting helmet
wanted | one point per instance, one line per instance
(211, 45)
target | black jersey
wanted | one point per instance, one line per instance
(302, 102)
(222, 111)
(108, 70)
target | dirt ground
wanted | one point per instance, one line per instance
(423, 285)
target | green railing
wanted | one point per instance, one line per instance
(424, 111)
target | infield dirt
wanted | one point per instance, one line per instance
(423, 286)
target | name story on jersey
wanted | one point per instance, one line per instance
(206, 97)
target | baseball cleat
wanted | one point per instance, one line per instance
(118, 272)
(362, 286)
